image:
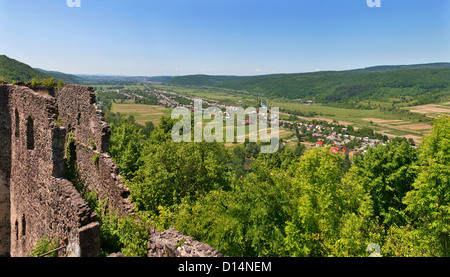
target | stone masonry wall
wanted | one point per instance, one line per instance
(172, 243)
(35, 198)
(79, 115)
(5, 171)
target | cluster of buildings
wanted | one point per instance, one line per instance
(131, 95)
(327, 136)
(165, 98)
(169, 99)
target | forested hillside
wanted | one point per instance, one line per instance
(420, 83)
(12, 70)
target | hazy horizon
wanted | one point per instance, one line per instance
(350, 69)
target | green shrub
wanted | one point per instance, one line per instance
(96, 159)
(45, 245)
(60, 84)
(35, 82)
(49, 83)
(92, 142)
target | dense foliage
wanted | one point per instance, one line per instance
(296, 202)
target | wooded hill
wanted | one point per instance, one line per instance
(12, 70)
(423, 83)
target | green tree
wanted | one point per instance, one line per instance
(387, 173)
(247, 221)
(429, 201)
(405, 241)
(238, 161)
(125, 148)
(331, 216)
(171, 171)
(251, 149)
(147, 129)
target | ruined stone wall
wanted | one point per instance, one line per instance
(79, 114)
(5, 171)
(172, 243)
(35, 198)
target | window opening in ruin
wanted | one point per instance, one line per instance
(24, 225)
(16, 225)
(30, 133)
(17, 132)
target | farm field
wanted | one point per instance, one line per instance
(432, 110)
(392, 125)
(401, 128)
(142, 113)
(340, 114)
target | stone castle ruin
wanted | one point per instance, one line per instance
(36, 198)
(40, 128)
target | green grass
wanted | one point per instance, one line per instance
(142, 113)
(401, 133)
(353, 115)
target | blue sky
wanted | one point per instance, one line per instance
(222, 37)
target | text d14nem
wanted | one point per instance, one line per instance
(226, 267)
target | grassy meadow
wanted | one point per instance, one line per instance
(142, 113)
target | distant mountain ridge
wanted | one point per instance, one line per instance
(206, 80)
(425, 83)
(66, 78)
(385, 68)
